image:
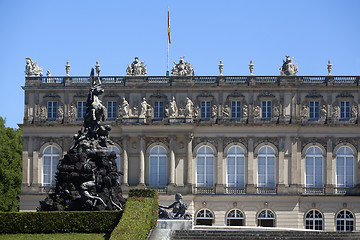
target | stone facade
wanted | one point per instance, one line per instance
(185, 115)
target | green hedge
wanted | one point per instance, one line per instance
(58, 222)
(140, 215)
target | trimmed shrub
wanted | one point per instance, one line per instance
(58, 222)
(140, 215)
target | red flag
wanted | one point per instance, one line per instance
(169, 40)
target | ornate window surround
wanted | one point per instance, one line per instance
(257, 111)
(305, 111)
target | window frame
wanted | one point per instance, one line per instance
(53, 163)
(205, 109)
(238, 156)
(207, 156)
(266, 109)
(236, 109)
(81, 108)
(344, 220)
(267, 211)
(345, 110)
(267, 155)
(310, 222)
(52, 108)
(159, 109)
(156, 155)
(314, 157)
(111, 109)
(241, 217)
(314, 110)
(205, 211)
(347, 158)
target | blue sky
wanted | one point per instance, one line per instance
(114, 32)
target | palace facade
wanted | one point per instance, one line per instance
(276, 151)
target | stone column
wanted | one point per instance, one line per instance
(189, 161)
(295, 180)
(328, 173)
(281, 170)
(220, 180)
(171, 179)
(125, 162)
(251, 174)
(142, 162)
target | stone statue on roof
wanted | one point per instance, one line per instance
(289, 68)
(136, 68)
(32, 69)
(182, 68)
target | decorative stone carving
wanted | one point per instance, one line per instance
(125, 108)
(306, 141)
(266, 96)
(251, 67)
(136, 68)
(213, 141)
(144, 109)
(221, 67)
(152, 140)
(182, 68)
(214, 111)
(226, 111)
(60, 113)
(245, 113)
(289, 68)
(43, 113)
(189, 108)
(32, 69)
(329, 67)
(272, 140)
(257, 112)
(228, 141)
(173, 110)
(336, 109)
(72, 113)
(67, 68)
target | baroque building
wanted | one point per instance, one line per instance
(277, 151)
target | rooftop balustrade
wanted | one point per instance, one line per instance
(200, 80)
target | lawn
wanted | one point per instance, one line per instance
(56, 236)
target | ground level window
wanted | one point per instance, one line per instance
(235, 218)
(266, 218)
(314, 220)
(204, 217)
(345, 221)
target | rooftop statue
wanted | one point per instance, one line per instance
(178, 209)
(289, 68)
(32, 69)
(136, 68)
(182, 68)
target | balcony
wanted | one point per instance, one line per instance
(160, 189)
(344, 190)
(313, 190)
(235, 190)
(266, 190)
(204, 190)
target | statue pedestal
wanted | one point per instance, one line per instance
(165, 227)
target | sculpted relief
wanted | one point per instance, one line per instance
(182, 68)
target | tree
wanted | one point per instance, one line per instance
(10, 167)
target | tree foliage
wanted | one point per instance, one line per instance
(10, 167)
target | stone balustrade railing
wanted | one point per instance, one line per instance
(201, 80)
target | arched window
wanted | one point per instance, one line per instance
(204, 217)
(235, 217)
(117, 151)
(345, 221)
(235, 167)
(205, 167)
(314, 220)
(266, 218)
(314, 167)
(157, 166)
(266, 167)
(51, 156)
(344, 167)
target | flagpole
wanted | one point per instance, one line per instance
(168, 43)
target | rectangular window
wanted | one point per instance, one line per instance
(111, 110)
(81, 110)
(345, 110)
(158, 110)
(266, 109)
(205, 109)
(313, 110)
(236, 109)
(51, 110)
